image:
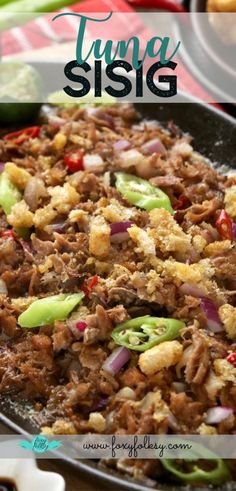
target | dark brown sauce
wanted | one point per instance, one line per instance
(7, 485)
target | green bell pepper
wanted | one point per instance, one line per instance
(141, 193)
(47, 310)
(143, 333)
(9, 193)
(218, 475)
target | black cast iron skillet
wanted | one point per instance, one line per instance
(214, 135)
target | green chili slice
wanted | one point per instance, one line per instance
(9, 196)
(143, 333)
(47, 310)
(141, 193)
(9, 193)
(217, 475)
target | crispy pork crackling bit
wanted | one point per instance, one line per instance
(227, 315)
(162, 356)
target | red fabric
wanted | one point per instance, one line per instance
(102, 6)
(40, 33)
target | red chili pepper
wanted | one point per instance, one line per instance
(74, 160)
(182, 202)
(169, 5)
(232, 359)
(89, 284)
(8, 234)
(224, 226)
(19, 137)
(81, 326)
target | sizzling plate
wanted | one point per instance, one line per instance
(214, 136)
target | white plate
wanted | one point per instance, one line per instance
(26, 475)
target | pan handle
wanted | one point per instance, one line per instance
(169, 5)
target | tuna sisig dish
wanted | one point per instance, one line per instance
(118, 283)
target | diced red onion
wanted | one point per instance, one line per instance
(179, 387)
(97, 112)
(81, 326)
(56, 120)
(211, 313)
(58, 227)
(119, 238)
(192, 290)
(101, 404)
(27, 250)
(93, 162)
(234, 230)
(109, 119)
(121, 145)
(93, 112)
(152, 124)
(211, 235)
(119, 232)
(172, 422)
(182, 148)
(193, 256)
(3, 288)
(116, 360)
(146, 125)
(130, 158)
(120, 227)
(34, 190)
(217, 414)
(2, 165)
(154, 146)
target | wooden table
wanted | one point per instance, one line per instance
(75, 481)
